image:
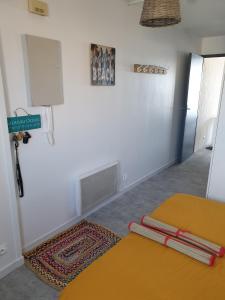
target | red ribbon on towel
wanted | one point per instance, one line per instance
(180, 232)
(167, 238)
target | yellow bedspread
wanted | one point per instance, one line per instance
(140, 269)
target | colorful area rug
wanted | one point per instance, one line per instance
(61, 259)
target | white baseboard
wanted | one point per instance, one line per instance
(11, 267)
(77, 219)
(51, 233)
(148, 176)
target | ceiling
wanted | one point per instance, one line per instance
(201, 17)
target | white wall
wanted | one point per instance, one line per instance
(213, 70)
(9, 228)
(213, 45)
(135, 122)
(216, 186)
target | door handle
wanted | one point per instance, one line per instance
(185, 108)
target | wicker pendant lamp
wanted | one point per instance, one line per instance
(159, 13)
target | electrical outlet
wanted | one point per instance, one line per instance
(3, 249)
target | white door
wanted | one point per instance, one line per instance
(216, 184)
(191, 107)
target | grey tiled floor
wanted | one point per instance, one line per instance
(189, 177)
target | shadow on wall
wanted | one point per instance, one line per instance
(180, 95)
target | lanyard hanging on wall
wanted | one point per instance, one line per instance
(18, 170)
(24, 137)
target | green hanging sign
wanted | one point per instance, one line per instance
(24, 123)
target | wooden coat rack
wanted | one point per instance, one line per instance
(149, 69)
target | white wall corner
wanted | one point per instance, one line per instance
(213, 45)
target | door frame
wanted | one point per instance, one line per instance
(186, 94)
(217, 121)
(10, 179)
(212, 56)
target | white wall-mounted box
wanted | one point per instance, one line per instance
(43, 64)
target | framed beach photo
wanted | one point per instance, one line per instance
(103, 60)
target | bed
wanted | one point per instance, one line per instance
(140, 269)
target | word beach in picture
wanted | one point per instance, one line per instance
(102, 65)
